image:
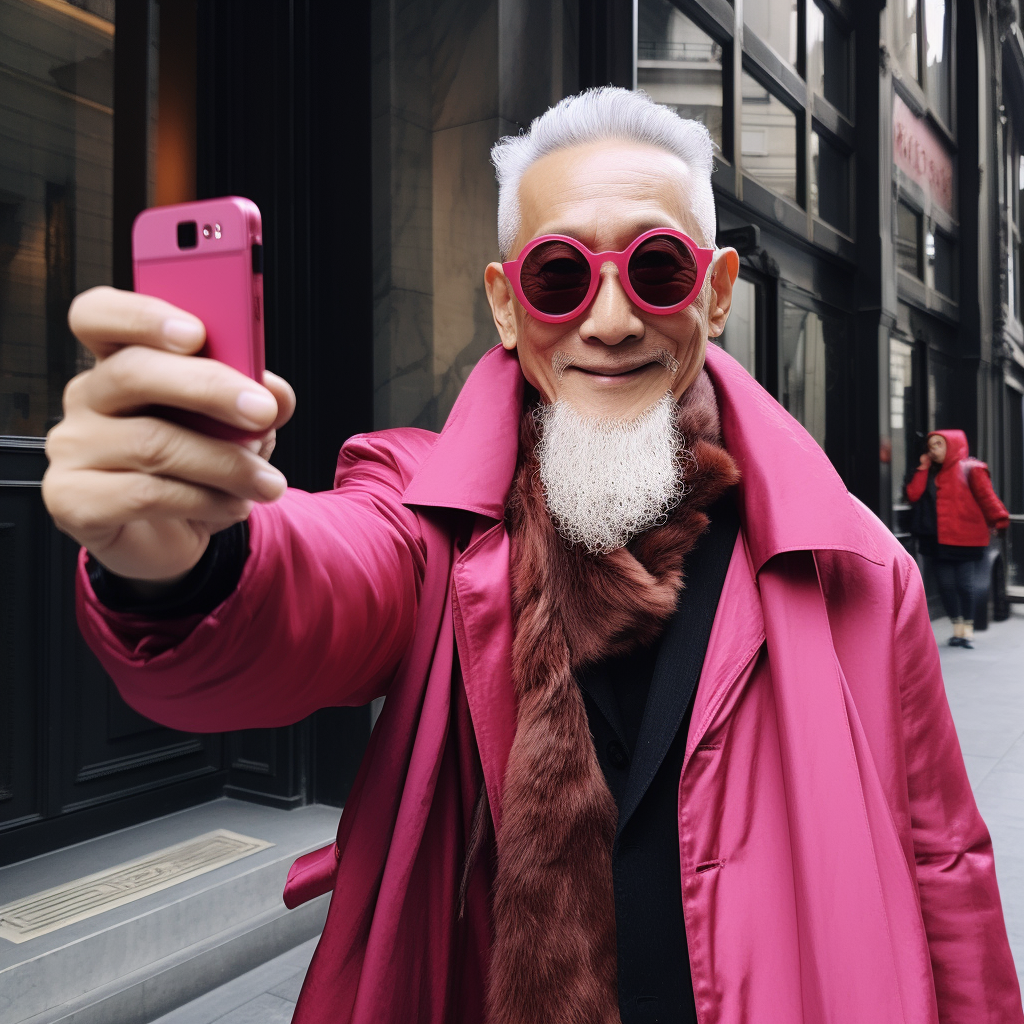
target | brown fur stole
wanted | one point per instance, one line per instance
(554, 957)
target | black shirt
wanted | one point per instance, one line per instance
(639, 706)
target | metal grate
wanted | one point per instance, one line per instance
(46, 911)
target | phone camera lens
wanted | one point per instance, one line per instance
(207, 231)
(187, 235)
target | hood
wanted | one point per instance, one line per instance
(956, 445)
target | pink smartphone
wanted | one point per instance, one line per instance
(206, 257)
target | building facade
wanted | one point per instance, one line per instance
(869, 169)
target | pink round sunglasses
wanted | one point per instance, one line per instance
(556, 277)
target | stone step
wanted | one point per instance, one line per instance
(142, 958)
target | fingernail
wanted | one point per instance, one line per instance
(257, 407)
(270, 483)
(184, 334)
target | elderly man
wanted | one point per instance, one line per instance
(665, 736)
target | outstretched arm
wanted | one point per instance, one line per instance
(322, 614)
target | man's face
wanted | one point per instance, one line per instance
(604, 195)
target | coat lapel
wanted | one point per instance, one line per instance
(482, 609)
(736, 637)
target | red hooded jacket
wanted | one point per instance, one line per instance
(965, 504)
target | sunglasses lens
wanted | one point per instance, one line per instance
(555, 278)
(662, 271)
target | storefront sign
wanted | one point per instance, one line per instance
(920, 154)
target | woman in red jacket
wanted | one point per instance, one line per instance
(956, 508)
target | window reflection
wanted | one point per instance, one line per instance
(908, 241)
(828, 58)
(803, 371)
(830, 183)
(769, 139)
(901, 415)
(776, 23)
(56, 178)
(905, 36)
(680, 65)
(739, 338)
(936, 62)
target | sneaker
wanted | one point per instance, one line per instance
(957, 641)
(964, 642)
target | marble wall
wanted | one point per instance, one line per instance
(450, 78)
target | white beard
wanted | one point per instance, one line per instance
(607, 480)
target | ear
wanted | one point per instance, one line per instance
(725, 269)
(501, 299)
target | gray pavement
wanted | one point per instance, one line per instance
(986, 695)
(985, 687)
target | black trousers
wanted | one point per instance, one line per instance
(956, 580)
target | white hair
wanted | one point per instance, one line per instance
(594, 116)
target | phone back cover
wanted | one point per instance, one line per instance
(214, 281)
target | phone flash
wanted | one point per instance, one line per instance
(216, 231)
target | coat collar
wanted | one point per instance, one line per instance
(472, 464)
(790, 496)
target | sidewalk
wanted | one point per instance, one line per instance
(986, 694)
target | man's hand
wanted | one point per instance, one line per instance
(924, 462)
(141, 493)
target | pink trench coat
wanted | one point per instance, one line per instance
(834, 866)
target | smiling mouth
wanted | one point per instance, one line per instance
(632, 371)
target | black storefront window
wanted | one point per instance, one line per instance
(904, 429)
(908, 241)
(940, 250)
(812, 348)
(828, 58)
(680, 65)
(830, 183)
(1014, 183)
(769, 139)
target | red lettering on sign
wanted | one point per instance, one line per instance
(921, 155)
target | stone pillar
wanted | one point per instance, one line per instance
(450, 78)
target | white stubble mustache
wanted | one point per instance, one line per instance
(561, 361)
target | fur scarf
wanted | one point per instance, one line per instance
(554, 957)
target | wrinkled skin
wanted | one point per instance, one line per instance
(604, 195)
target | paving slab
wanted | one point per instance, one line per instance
(985, 687)
(143, 958)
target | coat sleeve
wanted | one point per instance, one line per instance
(992, 508)
(975, 979)
(322, 614)
(917, 484)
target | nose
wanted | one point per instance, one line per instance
(611, 318)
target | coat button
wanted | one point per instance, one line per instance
(618, 756)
